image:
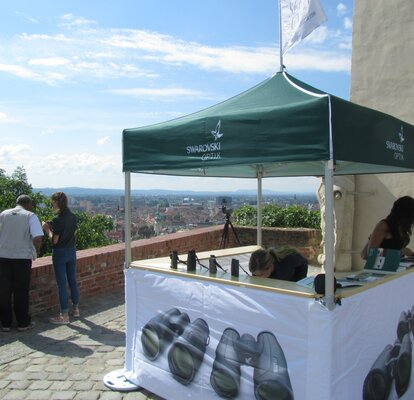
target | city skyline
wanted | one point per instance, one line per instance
(75, 75)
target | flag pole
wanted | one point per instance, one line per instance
(280, 37)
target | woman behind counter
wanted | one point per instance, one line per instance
(283, 263)
(395, 230)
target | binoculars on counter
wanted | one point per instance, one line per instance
(188, 342)
(270, 377)
(394, 363)
(191, 260)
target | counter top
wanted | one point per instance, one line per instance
(223, 257)
(242, 254)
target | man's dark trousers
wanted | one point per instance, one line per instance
(15, 277)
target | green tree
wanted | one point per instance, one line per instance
(91, 230)
(16, 184)
(245, 215)
(273, 216)
(293, 216)
(145, 231)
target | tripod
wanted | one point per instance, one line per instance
(225, 236)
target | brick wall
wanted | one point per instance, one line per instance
(306, 240)
(101, 269)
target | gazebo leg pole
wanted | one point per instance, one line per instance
(127, 220)
(259, 204)
(329, 237)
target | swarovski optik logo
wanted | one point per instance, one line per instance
(397, 148)
(401, 134)
(208, 151)
(216, 133)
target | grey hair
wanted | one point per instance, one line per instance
(23, 199)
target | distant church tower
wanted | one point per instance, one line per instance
(382, 77)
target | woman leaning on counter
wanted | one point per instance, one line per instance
(284, 263)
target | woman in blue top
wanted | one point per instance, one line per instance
(61, 231)
(395, 230)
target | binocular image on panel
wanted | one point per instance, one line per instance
(271, 378)
(390, 374)
(188, 342)
(171, 334)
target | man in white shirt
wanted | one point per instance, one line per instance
(20, 240)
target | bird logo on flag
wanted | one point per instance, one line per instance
(216, 133)
(401, 134)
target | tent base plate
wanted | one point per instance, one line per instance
(116, 380)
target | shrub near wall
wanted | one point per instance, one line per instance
(102, 269)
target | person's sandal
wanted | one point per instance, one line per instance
(59, 319)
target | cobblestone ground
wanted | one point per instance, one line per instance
(67, 362)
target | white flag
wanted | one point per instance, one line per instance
(299, 18)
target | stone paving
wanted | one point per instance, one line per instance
(67, 361)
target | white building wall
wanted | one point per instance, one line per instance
(382, 77)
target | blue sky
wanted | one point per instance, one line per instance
(74, 74)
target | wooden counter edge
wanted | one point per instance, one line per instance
(263, 283)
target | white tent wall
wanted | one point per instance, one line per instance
(382, 78)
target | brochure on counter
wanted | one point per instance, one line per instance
(407, 262)
(344, 283)
(364, 277)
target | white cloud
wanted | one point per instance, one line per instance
(81, 163)
(13, 154)
(70, 20)
(18, 70)
(6, 119)
(156, 114)
(102, 141)
(341, 9)
(77, 169)
(346, 44)
(13, 149)
(109, 54)
(347, 23)
(50, 61)
(37, 37)
(166, 49)
(49, 77)
(84, 170)
(320, 61)
(159, 92)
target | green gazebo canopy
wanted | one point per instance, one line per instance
(283, 127)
